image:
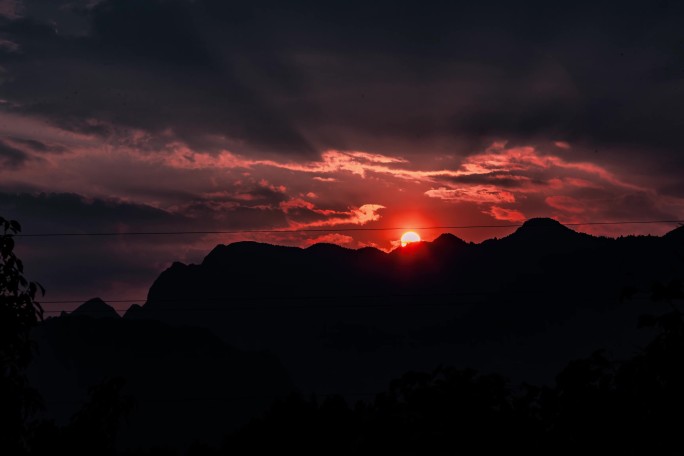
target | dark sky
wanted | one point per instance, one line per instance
(123, 115)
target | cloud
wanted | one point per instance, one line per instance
(8, 46)
(473, 194)
(529, 181)
(10, 8)
(504, 179)
(72, 212)
(354, 216)
(12, 157)
(83, 267)
(509, 215)
(153, 61)
(266, 79)
(566, 204)
(479, 177)
(514, 162)
(36, 146)
(332, 238)
(296, 203)
(330, 162)
(124, 267)
(231, 115)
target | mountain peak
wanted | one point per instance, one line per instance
(544, 230)
(544, 222)
(448, 239)
(326, 247)
(676, 234)
(95, 308)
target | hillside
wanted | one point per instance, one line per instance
(186, 383)
(522, 305)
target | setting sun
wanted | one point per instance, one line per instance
(409, 237)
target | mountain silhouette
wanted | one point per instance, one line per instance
(186, 383)
(522, 305)
(675, 239)
(548, 233)
(95, 308)
(216, 342)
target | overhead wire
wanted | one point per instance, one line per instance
(307, 306)
(326, 230)
(303, 230)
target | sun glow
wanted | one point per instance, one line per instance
(409, 237)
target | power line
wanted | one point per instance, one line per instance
(279, 307)
(170, 399)
(291, 297)
(308, 230)
(311, 306)
(287, 307)
(328, 230)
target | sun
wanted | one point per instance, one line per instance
(409, 237)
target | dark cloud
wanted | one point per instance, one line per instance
(75, 213)
(77, 265)
(11, 156)
(71, 267)
(38, 146)
(251, 206)
(297, 77)
(161, 89)
(115, 265)
(144, 66)
(499, 178)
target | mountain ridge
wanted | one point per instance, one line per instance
(95, 308)
(350, 307)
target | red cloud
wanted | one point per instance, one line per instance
(565, 204)
(354, 216)
(510, 215)
(296, 203)
(472, 194)
(332, 238)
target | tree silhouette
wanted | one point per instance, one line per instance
(19, 312)
(94, 428)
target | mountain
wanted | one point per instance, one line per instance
(186, 383)
(95, 308)
(546, 230)
(347, 321)
(676, 235)
(216, 342)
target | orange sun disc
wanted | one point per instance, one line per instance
(408, 237)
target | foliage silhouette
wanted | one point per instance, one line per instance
(19, 313)
(94, 427)
(92, 430)
(597, 406)
(188, 384)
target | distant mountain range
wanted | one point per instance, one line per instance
(347, 321)
(528, 302)
(187, 384)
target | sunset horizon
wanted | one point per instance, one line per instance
(341, 227)
(118, 115)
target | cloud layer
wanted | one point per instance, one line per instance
(171, 115)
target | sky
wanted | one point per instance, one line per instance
(177, 115)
